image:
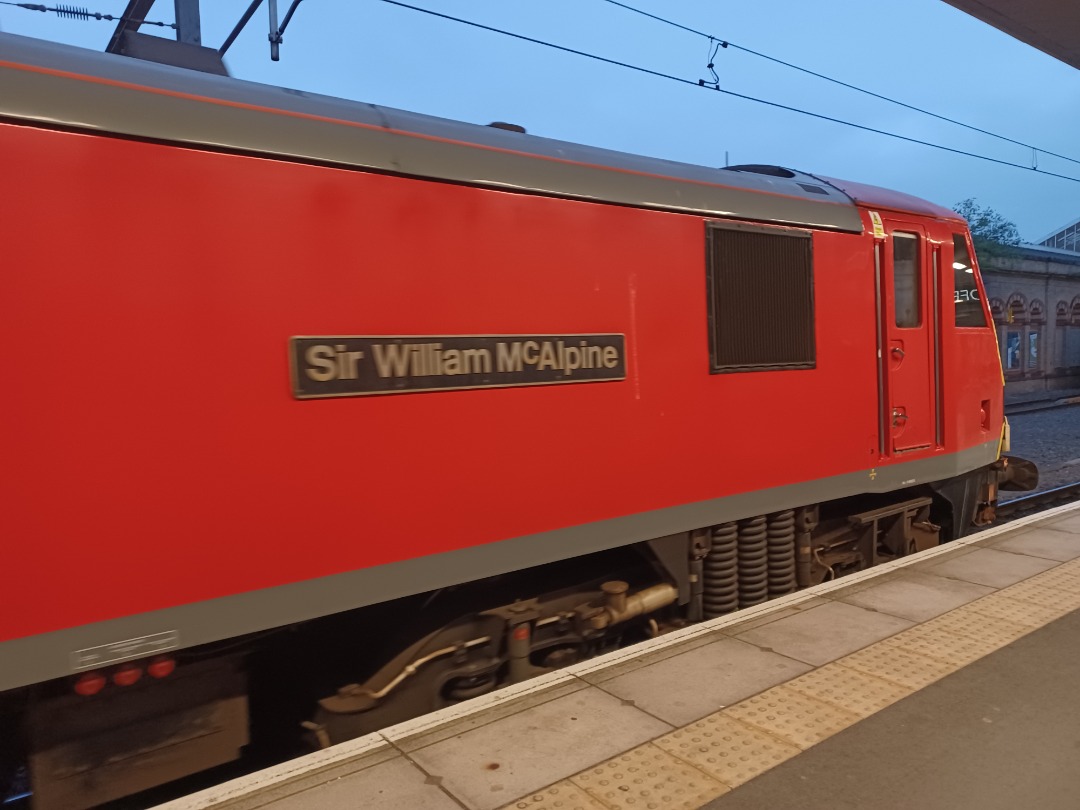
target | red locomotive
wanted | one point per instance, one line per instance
(296, 362)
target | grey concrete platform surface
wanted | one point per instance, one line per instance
(734, 707)
(999, 734)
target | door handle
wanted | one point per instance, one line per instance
(898, 416)
(898, 352)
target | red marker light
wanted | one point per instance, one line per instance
(90, 683)
(126, 675)
(161, 667)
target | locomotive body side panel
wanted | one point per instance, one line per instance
(273, 357)
(162, 372)
(160, 459)
(168, 486)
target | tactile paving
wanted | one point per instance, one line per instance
(849, 689)
(648, 778)
(725, 749)
(900, 666)
(1045, 595)
(561, 796)
(1015, 610)
(792, 716)
(1054, 578)
(1059, 578)
(943, 645)
(1071, 565)
(979, 626)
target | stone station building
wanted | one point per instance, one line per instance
(1035, 301)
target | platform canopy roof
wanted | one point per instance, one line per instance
(1052, 26)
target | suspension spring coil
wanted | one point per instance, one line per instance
(781, 533)
(720, 589)
(753, 562)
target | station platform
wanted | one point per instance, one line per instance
(945, 679)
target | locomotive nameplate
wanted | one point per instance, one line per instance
(349, 366)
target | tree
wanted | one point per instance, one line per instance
(986, 224)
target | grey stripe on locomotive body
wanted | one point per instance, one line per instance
(50, 655)
(365, 136)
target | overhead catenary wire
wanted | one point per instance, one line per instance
(729, 44)
(708, 86)
(81, 13)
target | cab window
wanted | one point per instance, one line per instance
(906, 280)
(969, 308)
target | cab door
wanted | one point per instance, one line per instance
(907, 349)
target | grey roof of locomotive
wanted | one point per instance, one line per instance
(58, 85)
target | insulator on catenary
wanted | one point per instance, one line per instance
(73, 12)
(720, 588)
(753, 562)
(781, 543)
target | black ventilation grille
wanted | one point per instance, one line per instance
(761, 299)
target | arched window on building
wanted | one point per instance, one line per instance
(1061, 328)
(1069, 325)
(1033, 342)
(1014, 335)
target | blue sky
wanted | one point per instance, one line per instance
(922, 52)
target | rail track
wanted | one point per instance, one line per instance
(1036, 502)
